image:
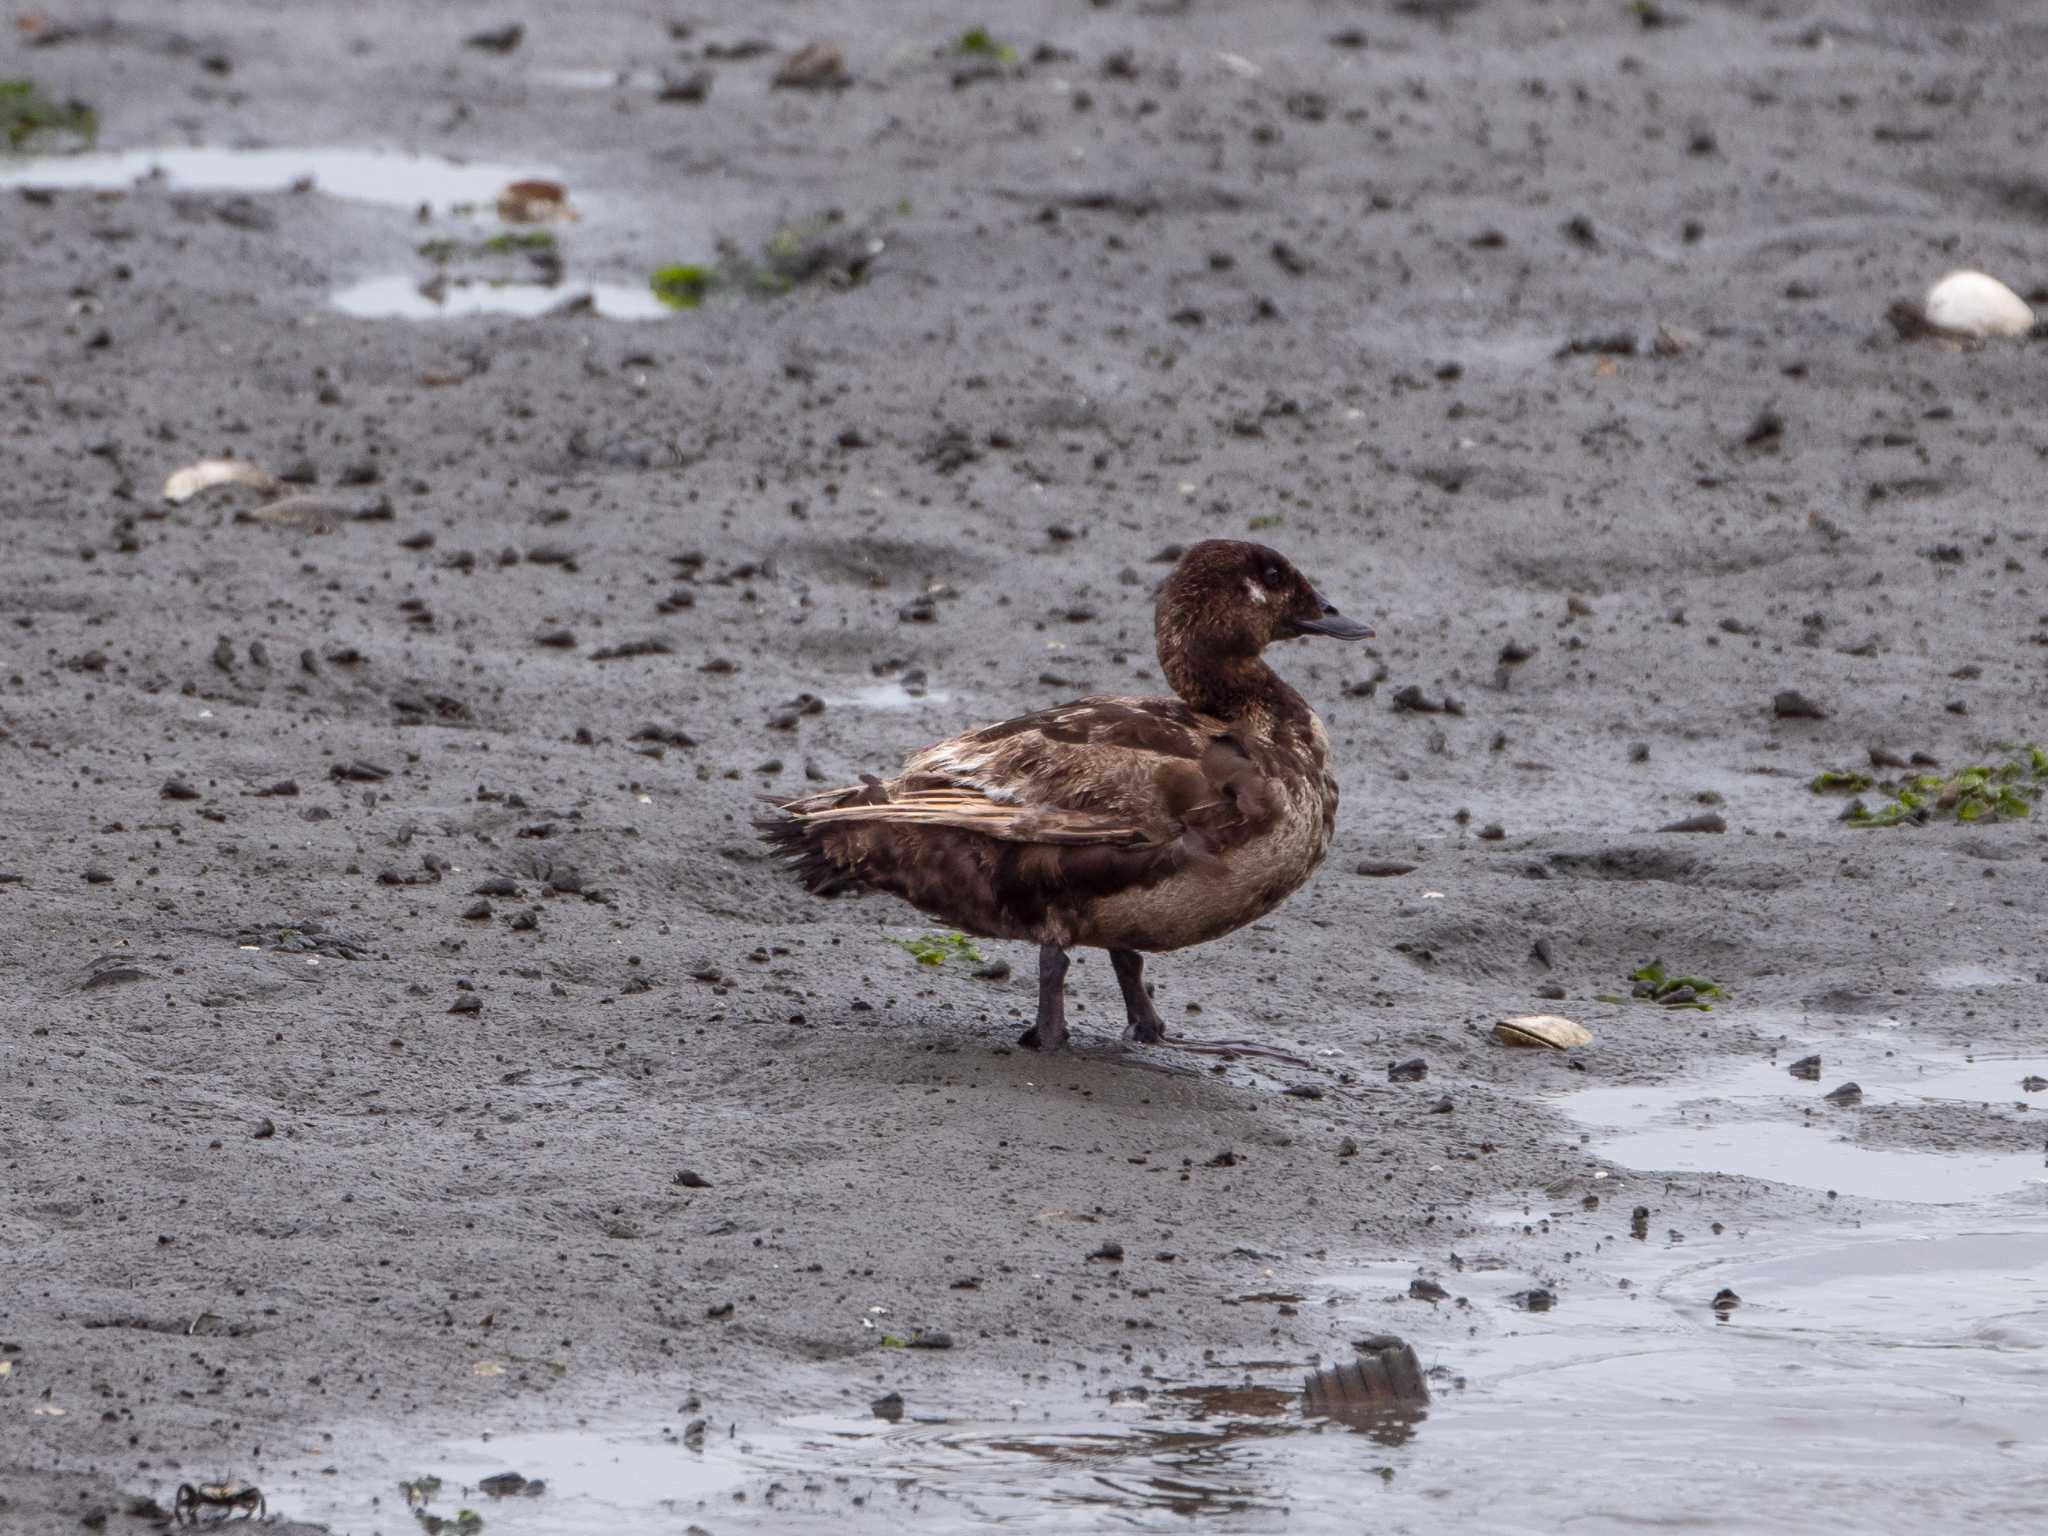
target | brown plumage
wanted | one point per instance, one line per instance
(1131, 825)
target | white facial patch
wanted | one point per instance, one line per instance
(1251, 585)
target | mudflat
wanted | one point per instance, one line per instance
(410, 1041)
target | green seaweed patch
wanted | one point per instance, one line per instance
(26, 114)
(2004, 791)
(1654, 984)
(511, 242)
(420, 1490)
(683, 285)
(976, 42)
(465, 1522)
(520, 240)
(1839, 781)
(938, 948)
(1264, 521)
(788, 255)
(814, 250)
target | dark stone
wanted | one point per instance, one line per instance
(497, 39)
(1791, 704)
(1703, 821)
(1379, 1390)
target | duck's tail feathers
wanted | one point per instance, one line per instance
(798, 844)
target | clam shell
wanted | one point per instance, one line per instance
(1543, 1029)
(535, 202)
(188, 482)
(1977, 304)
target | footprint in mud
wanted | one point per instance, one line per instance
(882, 563)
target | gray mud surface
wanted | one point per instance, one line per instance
(303, 1160)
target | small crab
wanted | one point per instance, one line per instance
(246, 1497)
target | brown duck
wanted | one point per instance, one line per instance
(1131, 825)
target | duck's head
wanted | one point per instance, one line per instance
(1228, 598)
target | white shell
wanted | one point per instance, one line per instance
(207, 473)
(1977, 304)
(1540, 1029)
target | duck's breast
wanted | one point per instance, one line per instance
(1209, 897)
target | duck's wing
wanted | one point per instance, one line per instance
(1118, 771)
(972, 810)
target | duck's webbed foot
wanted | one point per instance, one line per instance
(1050, 1032)
(1145, 1026)
(1231, 1048)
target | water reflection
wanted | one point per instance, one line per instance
(455, 298)
(393, 178)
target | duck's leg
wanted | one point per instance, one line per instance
(1050, 1032)
(1145, 1026)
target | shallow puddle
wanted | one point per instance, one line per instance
(1888, 1377)
(1146, 1457)
(1820, 1157)
(1959, 978)
(599, 79)
(392, 178)
(887, 696)
(1773, 1378)
(1864, 1373)
(406, 298)
(1755, 1120)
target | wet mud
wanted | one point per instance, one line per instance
(418, 1070)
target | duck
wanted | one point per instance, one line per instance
(1139, 826)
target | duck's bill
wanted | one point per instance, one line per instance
(1333, 626)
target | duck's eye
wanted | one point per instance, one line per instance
(1273, 576)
